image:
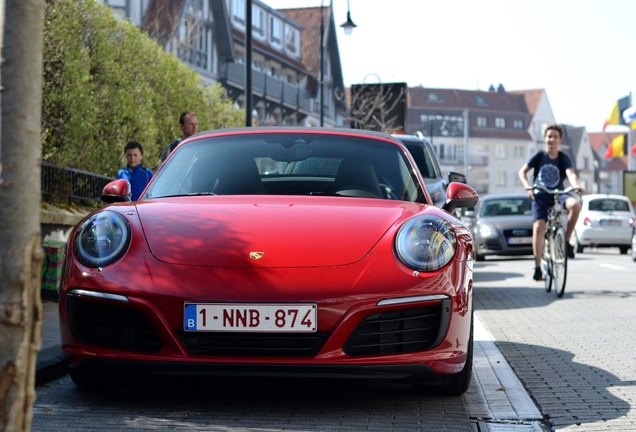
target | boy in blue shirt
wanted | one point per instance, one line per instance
(137, 174)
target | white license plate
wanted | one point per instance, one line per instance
(519, 240)
(610, 222)
(242, 317)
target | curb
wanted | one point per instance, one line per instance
(50, 365)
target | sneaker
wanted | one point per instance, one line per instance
(570, 250)
(538, 274)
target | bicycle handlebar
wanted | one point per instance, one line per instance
(554, 191)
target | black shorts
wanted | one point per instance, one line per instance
(542, 203)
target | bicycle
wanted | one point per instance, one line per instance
(554, 258)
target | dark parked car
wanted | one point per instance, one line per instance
(501, 225)
(426, 160)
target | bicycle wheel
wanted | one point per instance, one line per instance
(546, 263)
(560, 262)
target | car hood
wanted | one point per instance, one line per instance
(266, 232)
(505, 222)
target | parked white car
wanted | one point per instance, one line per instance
(605, 221)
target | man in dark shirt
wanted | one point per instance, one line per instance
(189, 126)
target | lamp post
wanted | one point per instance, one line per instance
(348, 27)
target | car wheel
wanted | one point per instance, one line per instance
(478, 256)
(82, 379)
(459, 383)
(575, 244)
(634, 245)
(623, 249)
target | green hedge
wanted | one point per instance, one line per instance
(106, 83)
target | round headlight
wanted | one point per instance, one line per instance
(426, 243)
(102, 239)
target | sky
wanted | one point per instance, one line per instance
(579, 51)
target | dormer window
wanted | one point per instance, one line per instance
(238, 11)
(258, 26)
(276, 35)
(481, 101)
(435, 97)
(291, 39)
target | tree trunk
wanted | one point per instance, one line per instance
(21, 252)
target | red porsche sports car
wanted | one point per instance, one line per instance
(274, 251)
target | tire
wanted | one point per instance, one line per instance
(546, 266)
(623, 249)
(459, 383)
(575, 243)
(634, 245)
(83, 379)
(560, 262)
(479, 257)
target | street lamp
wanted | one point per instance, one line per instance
(348, 27)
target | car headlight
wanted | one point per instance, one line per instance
(102, 239)
(426, 243)
(486, 231)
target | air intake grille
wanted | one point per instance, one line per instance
(111, 326)
(400, 331)
(253, 344)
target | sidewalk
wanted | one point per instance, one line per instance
(50, 364)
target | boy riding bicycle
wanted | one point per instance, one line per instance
(551, 167)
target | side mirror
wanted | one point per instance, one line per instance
(117, 191)
(460, 195)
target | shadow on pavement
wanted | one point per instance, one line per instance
(566, 392)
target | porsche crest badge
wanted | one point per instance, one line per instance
(256, 255)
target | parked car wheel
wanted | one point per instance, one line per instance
(460, 382)
(575, 244)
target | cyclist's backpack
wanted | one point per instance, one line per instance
(560, 164)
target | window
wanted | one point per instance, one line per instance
(291, 39)
(517, 124)
(435, 97)
(482, 121)
(257, 21)
(500, 151)
(500, 122)
(276, 35)
(517, 151)
(481, 101)
(501, 178)
(442, 125)
(195, 7)
(193, 43)
(238, 10)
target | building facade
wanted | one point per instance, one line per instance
(489, 135)
(210, 37)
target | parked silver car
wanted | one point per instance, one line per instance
(606, 220)
(426, 160)
(501, 225)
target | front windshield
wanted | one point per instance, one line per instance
(288, 164)
(521, 206)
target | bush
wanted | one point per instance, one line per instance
(106, 83)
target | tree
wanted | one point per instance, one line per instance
(106, 82)
(377, 107)
(21, 252)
